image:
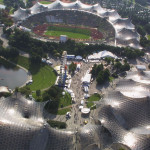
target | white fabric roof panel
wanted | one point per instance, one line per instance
(86, 78)
(20, 14)
(37, 8)
(123, 23)
(102, 54)
(127, 34)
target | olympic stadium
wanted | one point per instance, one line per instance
(121, 31)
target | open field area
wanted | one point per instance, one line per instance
(148, 36)
(45, 2)
(91, 99)
(75, 33)
(42, 75)
(1, 2)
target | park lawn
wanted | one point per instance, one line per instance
(42, 75)
(69, 34)
(45, 2)
(91, 99)
(94, 97)
(65, 100)
(63, 111)
(1, 2)
(89, 104)
(148, 36)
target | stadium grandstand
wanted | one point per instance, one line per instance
(122, 29)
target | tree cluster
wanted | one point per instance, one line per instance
(102, 75)
(72, 67)
(119, 67)
(5, 18)
(22, 40)
(14, 4)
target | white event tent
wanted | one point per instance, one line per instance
(102, 54)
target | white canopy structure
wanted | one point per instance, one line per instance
(141, 67)
(87, 78)
(85, 110)
(123, 26)
(37, 8)
(102, 54)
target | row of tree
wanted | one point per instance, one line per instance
(22, 40)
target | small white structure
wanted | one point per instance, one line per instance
(85, 110)
(25, 29)
(78, 58)
(2, 6)
(49, 62)
(78, 67)
(100, 55)
(86, 79)
(141, 67)
(86, 89)
(80, 107)
(82, 102)
(86, 96)
(63, 38)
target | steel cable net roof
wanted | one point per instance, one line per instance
(132, 89)
(22, 127)
(112, 16)
(126, 112)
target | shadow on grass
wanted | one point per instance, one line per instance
(35, 68)
(52, 107)
(6, 64)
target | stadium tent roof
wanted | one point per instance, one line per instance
(119, 24)
(20, 14)
(123, 23)
(113, 15)
(37, 8)
(127, 34)
(102, 54)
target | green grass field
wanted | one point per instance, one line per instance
(148, 36)
(63, 111)
(45, 2)
(65, 100)
(75, 33)
(91, 99)
(94, 97)
(42, 75)
(1, 2)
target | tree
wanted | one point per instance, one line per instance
(38, 93)
(141, 31)
(72, 67)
